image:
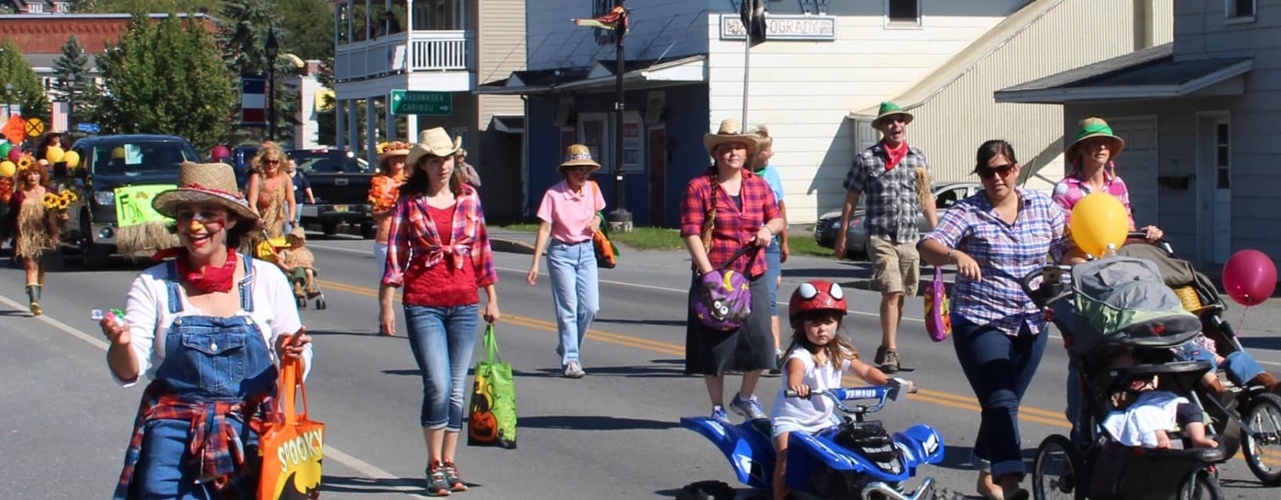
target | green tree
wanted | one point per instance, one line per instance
(149, 6)
(307, 27)
(166, 78)
(242, 34)
(15, 72)
(74, 83)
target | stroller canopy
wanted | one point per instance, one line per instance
(1124, 300)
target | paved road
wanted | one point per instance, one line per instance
(613, 434)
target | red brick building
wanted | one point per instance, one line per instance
(40, 37)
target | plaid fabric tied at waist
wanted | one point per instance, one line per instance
(452, 253)
(215, 442)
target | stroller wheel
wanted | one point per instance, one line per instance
(320, 303)
(1059, 470)
(1263, 414)
(1204, 485)
(302, 303)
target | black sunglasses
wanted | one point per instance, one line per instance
(992, 172)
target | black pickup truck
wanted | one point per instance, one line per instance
(340, 182)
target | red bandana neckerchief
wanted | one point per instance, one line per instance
(206, 280)
(894, 155)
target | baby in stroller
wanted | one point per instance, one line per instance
(1145, 414)
(299, 265)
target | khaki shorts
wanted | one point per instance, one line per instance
(895, 268)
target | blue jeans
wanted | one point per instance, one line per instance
(296, 219)
(773, 269)
(575, 293)
(442, 340)
(999, 368)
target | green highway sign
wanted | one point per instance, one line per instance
(407, 102)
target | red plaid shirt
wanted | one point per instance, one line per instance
(215, 444)
(734, 227)
(412, 233)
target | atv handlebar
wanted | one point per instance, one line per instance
(840, 395)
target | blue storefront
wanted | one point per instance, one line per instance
(662, 132)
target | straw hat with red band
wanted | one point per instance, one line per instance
(213, 183)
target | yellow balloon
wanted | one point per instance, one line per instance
(72, 158)
(7, 168)
(53, 154)
(1099, 220)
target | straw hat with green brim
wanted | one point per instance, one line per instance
(1091, 128)
(434, 142)
(887, 110)
(731, 131)
(200, 183)
(578, 155)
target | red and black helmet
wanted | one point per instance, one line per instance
(816, 295)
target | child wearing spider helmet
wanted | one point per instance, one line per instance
(815, 360)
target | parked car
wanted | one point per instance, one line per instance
(340, 182)
(241, 157)
(828, 225)
(107, 163)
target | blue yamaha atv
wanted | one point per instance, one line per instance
(856, 459)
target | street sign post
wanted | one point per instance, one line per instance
(406, 102)
(88, 128)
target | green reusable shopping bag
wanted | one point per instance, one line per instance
(492, 419)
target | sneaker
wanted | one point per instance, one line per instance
(451, 475)
(574, 370)
(749, 408)
(887, 359)
(719, 415)
(437, 482)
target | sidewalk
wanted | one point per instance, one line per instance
(1259, 327)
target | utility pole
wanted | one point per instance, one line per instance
(273, 50)
(619, 219)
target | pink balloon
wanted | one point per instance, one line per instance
(1249, 277)
(15, 154)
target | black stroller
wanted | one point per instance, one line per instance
(1103, 307)
(1261, 409)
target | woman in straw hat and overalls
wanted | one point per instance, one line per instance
(271, 190)
(567, 217)
(725, 209)
(383, 192)
(210, 328)
(440, 254)
(35, 228)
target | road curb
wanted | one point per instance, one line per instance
(511, 246)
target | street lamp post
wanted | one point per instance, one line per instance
(620, 218)
(273, 49)
(8, 106)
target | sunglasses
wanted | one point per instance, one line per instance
(992, 172)
(272, 162)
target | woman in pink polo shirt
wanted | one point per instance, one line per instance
(1092, 156)
(568, 218)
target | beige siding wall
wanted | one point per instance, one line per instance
(1160, 21)
(952, 123)
(803, 90)
(500, 50)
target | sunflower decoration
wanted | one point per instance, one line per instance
(50, 201)
(26, 161)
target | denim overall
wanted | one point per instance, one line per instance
(211, 363)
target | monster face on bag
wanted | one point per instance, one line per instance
(724, 300)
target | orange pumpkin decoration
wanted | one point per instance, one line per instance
(483, 425)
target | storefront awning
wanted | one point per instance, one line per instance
(508, 124)
(601, 77)
(1146, 74)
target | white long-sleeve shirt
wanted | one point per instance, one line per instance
(147, 313)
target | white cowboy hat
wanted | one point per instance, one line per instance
(434, 142)
(731, 131)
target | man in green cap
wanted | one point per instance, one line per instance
(897, 194)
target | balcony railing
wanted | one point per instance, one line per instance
(428, 50)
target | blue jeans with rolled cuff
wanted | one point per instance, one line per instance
(575, 293)
(443, 340)
(999, 368)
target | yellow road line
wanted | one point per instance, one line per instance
(1047, 417)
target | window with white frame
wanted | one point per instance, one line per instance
(1239, 10)
(595, 132)
(903, 12)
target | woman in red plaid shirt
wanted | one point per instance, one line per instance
(439, 252)
(723, 211)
